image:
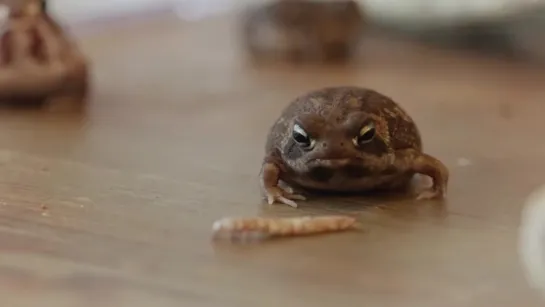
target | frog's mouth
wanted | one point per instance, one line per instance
(323, 170)
(333, 163)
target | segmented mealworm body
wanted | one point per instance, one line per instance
(258, 228)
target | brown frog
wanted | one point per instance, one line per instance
(303, 30)
(40, 63)
(345, 139)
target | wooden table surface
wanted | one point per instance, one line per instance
(114, 207)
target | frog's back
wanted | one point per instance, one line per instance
(402, 129)
(403, 132)
(334, 104)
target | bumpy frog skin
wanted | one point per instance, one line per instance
(345, 139)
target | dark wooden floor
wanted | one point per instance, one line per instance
(114, 208)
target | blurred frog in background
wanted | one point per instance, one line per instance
(303, 30)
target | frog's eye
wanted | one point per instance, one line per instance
(366, 135)
(301, 137)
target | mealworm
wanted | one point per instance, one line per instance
(259, 228)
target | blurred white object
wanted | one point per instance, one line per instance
(532, 239)
(199, 9)
(509, 27)
(427, 12)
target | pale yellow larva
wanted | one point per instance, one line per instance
(259, 228)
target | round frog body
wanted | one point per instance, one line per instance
(345, 139)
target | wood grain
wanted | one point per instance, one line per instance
(114, 207)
